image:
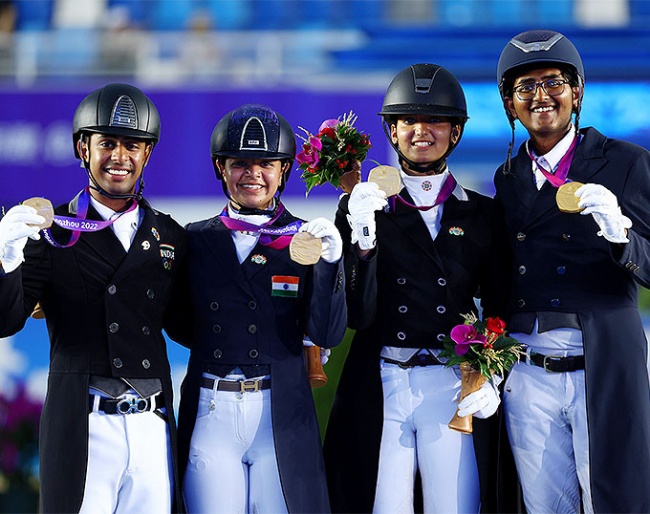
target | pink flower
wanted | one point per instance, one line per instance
(465, 335)
(331, 123)
(309, 154)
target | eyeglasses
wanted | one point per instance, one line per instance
(552, 87)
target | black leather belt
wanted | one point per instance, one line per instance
(415, 361)
(557, 364)
(126, 405)
(242, 386)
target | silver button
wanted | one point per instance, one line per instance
(521, 236)
(441, 309)
(117, 362)
(150, 294)
(252, 329)
(214, 306)
(401, 336)
(442, 282)
(252, 305)
(401, 281)
(145, 330)
(440, 337)
(112, 289)
(113, 328)
(217, 354)
(253, 354)
(403, 309)
(146, 364)
(522, 270)
(216, 329)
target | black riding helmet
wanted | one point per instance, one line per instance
(424, 89)
(535, 49)
(253, 131)
(117, 109)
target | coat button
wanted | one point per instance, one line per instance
(117, 362)
(113, 328)
(561, 270)
(112, 289)
(214, 306)
(521, 303)
(150, 294)
(146, 364)
(521, 236)
(216, 329)
(403, 309)
(401, 281)
(440, 337)
(441, 309)
(146, 330)
(252, 305)
(253, 354)
(522, 270)
(401, 336)
(252, 329)
(217, 353)
(442, 282)
(555, 302)
(566, 237)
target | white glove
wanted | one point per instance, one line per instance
(484, 402)
(324, 352)
(602, 204)
(20, 222)
(327, 232)
(365, 199)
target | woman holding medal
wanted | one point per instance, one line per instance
(414, 263)
(578, 408)
(107, 428)
(249, 438)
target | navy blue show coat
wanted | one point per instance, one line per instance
(238, 322)
(561, 266)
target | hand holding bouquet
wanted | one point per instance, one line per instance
(334, 154)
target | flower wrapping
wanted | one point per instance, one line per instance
(481, 349)
(338, 148)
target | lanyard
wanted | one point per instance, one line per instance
(445, 192)
(562, 170)
(80, 224)
(283, 234)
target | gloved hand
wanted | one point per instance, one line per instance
(602, 204)
(20, 222)
(484, 402)
(324, 352)
(325, 230)
(365, 199)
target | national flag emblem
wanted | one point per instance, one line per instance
(284, 286)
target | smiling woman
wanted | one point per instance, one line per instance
(252, 183)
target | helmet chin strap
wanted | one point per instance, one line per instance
(126, 196)
(435, 166)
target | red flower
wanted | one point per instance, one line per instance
(496, 325)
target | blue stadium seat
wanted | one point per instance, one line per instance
(33, 14)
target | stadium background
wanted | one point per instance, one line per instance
(308, 59)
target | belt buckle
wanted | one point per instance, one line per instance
(547, 359)
(132, 405)
(249, 386)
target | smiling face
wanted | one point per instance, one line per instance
(115, 163)
(252, 183)
(423, 138)
(546, 118)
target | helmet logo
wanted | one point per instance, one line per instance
(253, 136)
(536, 46)
(124, 113)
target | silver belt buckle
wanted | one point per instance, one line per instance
(132, 405)
(547, 359)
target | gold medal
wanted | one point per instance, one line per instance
(43, 208)
(305, 248)
(387, 178)
(566, 199)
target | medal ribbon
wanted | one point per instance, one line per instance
(445, 192)
(562, 170)
(282, 235)
(80, 224)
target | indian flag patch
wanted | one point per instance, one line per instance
(284, 286)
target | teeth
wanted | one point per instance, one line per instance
(251, 186)
(543, 109)
(120, 173)
(422, 143)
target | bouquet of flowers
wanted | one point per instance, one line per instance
(482, 349)
(335, 150)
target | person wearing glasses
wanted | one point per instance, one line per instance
(575, 204)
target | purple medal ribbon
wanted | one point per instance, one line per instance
(284, 234)
(562, 170)
(80, 223)
(445, 192)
